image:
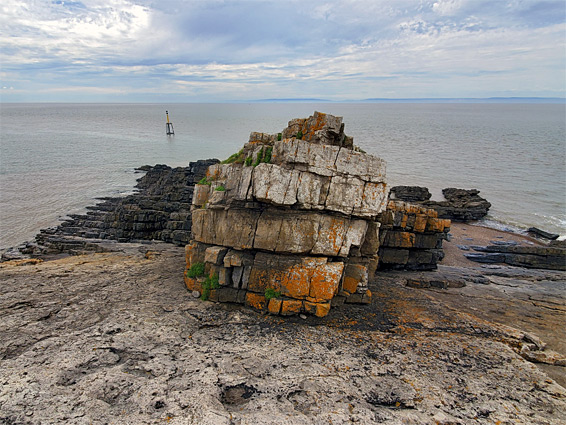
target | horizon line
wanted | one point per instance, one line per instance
(494, 99)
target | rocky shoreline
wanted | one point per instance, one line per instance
(115, 337)
(450, 330)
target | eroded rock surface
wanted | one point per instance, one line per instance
(116, 338)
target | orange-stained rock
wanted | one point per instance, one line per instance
(201, 193)
(296, 282)
(399, 239)
(290, 307)
(325, 280)
(193, 284)
(437, 224)
(256, 301)
(274, 305)
(258, 280)
(350, 284)
(190, 252)
(318, 309)
(420, 223)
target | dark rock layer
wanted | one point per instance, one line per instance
(159, 210)
(460, 204)
(532, 257)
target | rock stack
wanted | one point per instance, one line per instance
(288, 224)
(411, 237)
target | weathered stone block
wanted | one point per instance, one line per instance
(437, 224)
(237, 276)
(354, 275)
(312, 190)
(274, 184)
(227, 295)
(274, 305)
(420, 223)
(234, 228)
(215, 255)
(344, 193)
(225, 276)
(394, 256)
(358, 298)
(370, 245)
(296, 283)
(372, 201)
(318, 309)
(324, 281)
(290, 307)
(425, 241)
(368, 167)
(397, 239)
(201, 194)
(256, 301)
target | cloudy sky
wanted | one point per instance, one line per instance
(230, 50)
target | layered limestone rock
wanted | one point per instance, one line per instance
(289, 225)
(411, 237)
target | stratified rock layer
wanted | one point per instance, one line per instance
(411, 237)
(460, 204)
(290, 226)
(160, 210)
(532, 257)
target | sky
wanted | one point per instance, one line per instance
(224, 51)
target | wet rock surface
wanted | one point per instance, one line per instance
(116, 338)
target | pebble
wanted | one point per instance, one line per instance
(195, 294)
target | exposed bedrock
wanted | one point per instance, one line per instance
(459, 205)
(532, 257)
(159, 210)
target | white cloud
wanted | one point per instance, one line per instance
(330, 49)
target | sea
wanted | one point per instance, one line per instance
(56, 159)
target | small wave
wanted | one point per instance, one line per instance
(493, 223)
(512, 227)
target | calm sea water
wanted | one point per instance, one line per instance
(56, 158)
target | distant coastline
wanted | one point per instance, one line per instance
(447, 100)
(553, 100)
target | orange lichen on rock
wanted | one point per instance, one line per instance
(274, 306)
(296, 283)
(290, 307)
(318, 309)
(437, 224)
(256, 301)
(325, 280)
